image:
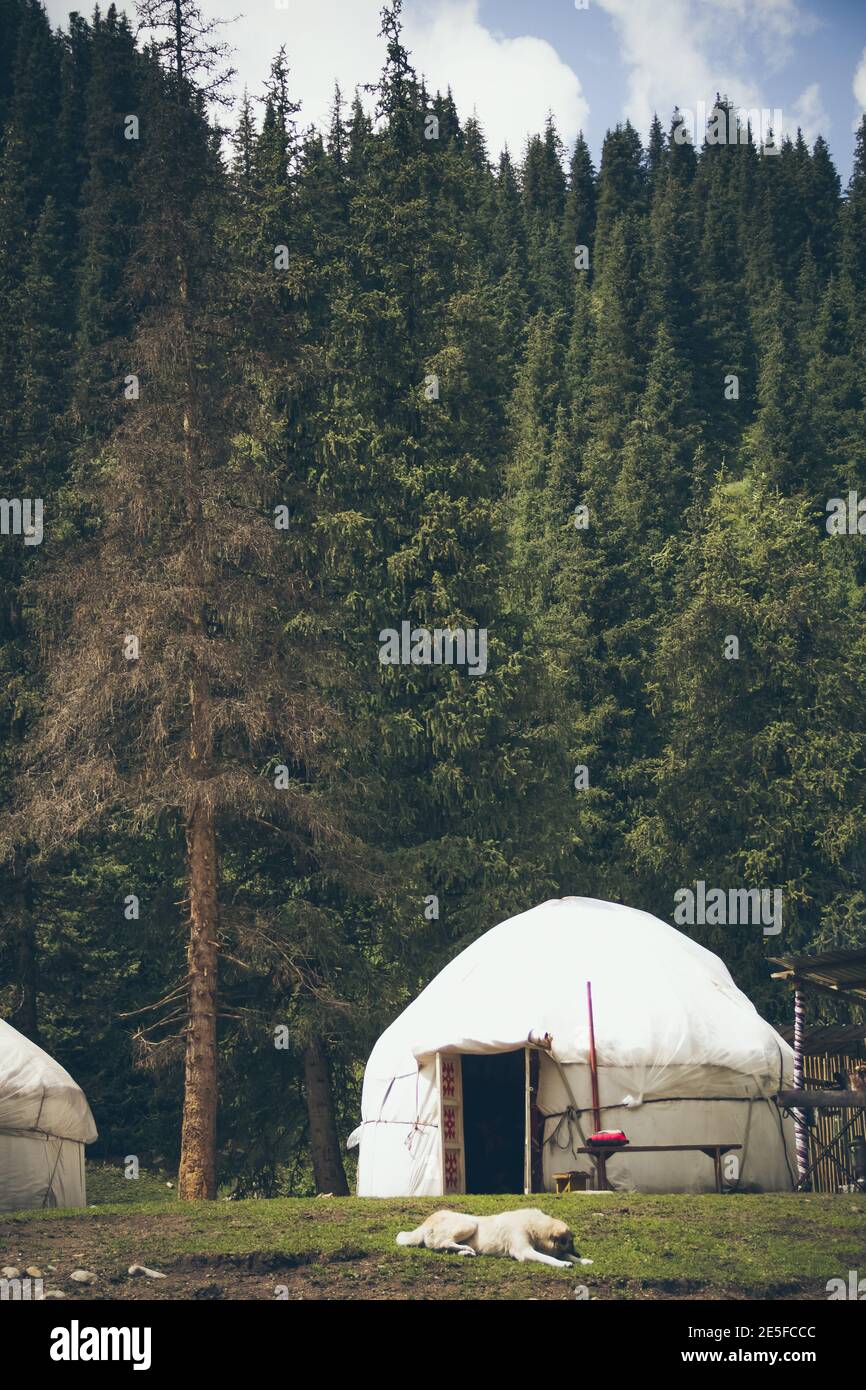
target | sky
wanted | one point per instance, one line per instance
(591, 63)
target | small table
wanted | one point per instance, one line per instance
(602, 1152)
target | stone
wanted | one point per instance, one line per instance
(138, 1270)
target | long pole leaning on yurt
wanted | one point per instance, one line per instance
(593, 1076)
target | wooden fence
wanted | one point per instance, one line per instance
(821, 1068)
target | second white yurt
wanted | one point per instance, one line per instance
(45, 1122)
(483, 1084)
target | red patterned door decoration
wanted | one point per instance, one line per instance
(449, 1075)
(452, 1171)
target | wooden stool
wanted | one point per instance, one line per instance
(570, 1182)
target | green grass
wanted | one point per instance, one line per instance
(106, 1184)
(777, 1245)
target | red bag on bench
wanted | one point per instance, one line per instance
(607, 1137)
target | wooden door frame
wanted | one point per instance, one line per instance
(533, 1134)
(452, 1146)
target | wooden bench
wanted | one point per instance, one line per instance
(602, 1152)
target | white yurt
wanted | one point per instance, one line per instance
(484, 1083)
(45, 1122)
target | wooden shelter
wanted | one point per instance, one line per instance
(824, 1058)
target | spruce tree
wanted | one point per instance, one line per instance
(180, 675)
(622, 184)
(780, 444)
(580, 202)
(414, 444)
(34, 303)
(114, 125)
(760, 773)
(823, 206)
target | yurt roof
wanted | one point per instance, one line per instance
(37, 1094)
(659, 998)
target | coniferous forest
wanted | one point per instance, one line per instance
(283, 390)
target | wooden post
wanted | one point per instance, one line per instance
(601, 1160)
(527, 1123)
(593, 1062)
(801, 1131)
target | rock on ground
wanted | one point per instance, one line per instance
(139, 1270)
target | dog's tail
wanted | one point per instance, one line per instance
(415, 1237)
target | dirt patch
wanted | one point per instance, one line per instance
(354, 1274)
(369, 1282)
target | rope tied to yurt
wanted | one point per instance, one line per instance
(734, 1186)
(570, 1116)
(42, 1096)
(570, 1119)
(49, 1192)
(416, 1123)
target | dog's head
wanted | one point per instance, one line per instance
(556, 1239)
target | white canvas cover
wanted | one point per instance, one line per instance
(683, 1055)
(45, 1122)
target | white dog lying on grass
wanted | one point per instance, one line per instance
(522, 1235)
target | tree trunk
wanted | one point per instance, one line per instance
(324, 1143)
(23, 1016)
(197, 1178)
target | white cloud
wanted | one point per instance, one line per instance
(512, 83)
(326, 41)
(681, 52)
(860, 82)
(809, 114)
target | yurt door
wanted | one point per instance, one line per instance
(493, 1115)
(449, 1084)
